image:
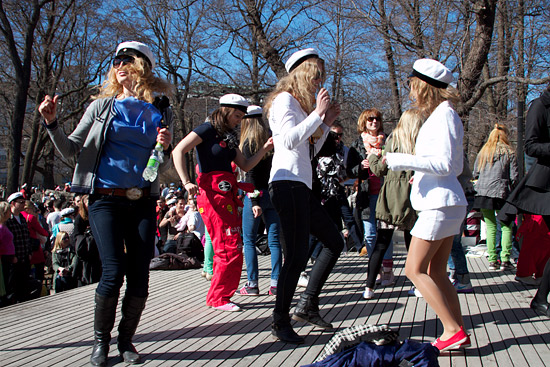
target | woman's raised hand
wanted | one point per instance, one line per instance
(323, 102)
(268, 144)
(48, 108)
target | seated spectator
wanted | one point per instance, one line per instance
(171, 219)
(64, 262)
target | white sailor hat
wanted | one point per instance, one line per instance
(14, 196)
(172, 201)
(67, 211)
(254, 111)
(432, 72)
(298, 57)
(134, 48)
(234, 101)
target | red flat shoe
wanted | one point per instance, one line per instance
(467, 343)
(453, 342)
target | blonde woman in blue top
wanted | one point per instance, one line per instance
(112, 144)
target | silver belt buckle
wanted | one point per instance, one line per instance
(134, 193)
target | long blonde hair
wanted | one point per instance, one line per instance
(497, 143)
(58, 241)
(404, 135)
(299, 83)
(255, 131)
(427, 97)
(146, 83)
(4, 208)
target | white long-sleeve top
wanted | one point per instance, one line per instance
(291, 128)
(437, 163)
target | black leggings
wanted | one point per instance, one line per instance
(302, 214)
(383, 241)
(544, 287)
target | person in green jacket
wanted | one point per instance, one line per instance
(393, 207)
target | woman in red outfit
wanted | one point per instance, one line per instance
(217, 146)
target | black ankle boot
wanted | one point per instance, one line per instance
(131, 310)
(104, 320)
(541, 308)
(282, 330)
(307, 310)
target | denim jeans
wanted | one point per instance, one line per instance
(250, 234)
(339, 210)
(370, 229)
(457, 259)
(302, 214)
(124, 231)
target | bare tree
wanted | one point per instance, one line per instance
(23, 15)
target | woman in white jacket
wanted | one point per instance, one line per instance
(436, 194)
(300, 123)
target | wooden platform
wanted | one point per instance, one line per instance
(177, 329)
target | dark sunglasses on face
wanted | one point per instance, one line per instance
(337, 135)
(122, 60)
(371, 119)
(65, 238)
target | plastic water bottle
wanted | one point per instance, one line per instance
(157, 157)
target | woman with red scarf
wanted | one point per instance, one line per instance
(217, 146)
(371, 141)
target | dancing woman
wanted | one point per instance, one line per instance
(113, 142)
(217, 147)
(300, 123)
(257, 204)
(436, 194)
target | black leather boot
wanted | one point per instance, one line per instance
(131, 310)
(104, 320)
(282, 330)
(307, 310)
(541, 308)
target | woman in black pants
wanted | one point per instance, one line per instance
(533, 192)
(300, 123)
(393, 208)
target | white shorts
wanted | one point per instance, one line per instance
(436, 224)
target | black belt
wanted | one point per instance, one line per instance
(133, 193)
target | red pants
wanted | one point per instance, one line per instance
(535, 246)
(218, 205)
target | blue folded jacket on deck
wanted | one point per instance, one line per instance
(389, 355)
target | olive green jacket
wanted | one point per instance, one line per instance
(394, 203)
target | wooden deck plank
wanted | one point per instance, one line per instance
(177, 329)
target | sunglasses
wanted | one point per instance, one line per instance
(65, 238)
(338, 135)
(122, 60)
(371, 119)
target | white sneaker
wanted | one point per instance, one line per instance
(368, 293)
(414, 292)
(387, 279)
(304, 280)
(229, 307)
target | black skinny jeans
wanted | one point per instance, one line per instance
(383, 242)
(302, 214)
(124, 231)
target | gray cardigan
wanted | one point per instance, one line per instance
(86, 142)
(497, 180)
